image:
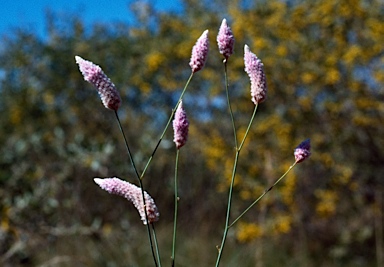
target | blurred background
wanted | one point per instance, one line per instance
(324, 62)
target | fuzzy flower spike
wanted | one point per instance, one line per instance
(303, 151)
(225, 40)
(199, 52)
(180, 126)
(133, 194)
(94, 74)
(255, 71)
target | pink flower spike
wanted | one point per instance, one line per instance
(133, 194)
(225, 40)
(94, 74)
(180, 126)
(199, 52)
(255, 71)
(303, 151)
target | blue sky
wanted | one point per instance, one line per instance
(31, 14)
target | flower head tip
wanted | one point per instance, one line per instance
(93, 74)
(303, 151)
(199, 52)
(180, 126)
(133, 194)
(255, 71)
(225, 40)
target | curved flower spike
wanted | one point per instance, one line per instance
(180, 126)
(255, 71)
(133, 194)
(199, 52)
(225, 40)
(94, 74)
(303, 151)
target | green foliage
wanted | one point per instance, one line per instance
(324, 67)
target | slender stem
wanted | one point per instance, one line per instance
(262, 195)
(176, 207)
(126, 145)
(379, 228)
(221, 248)
(249, 127)
(234, 166)
(226, 228)
(141, 185)
(229, 103)
(156, 244)
(166, 127)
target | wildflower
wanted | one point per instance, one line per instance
(225, 40)
(254, 69)
(199, 52)
(133, 194)
(302, 151)
(180, 126)
(94, 74)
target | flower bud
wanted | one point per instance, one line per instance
(255, 71)
(94, 74)
(133, 194)
(199, 52)
(180, 126)
(303, 151)
(225, 40)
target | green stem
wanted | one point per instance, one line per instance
(221, 248)
(156, 244)
(166, 127)
(126, 145)
(262, 195)
(176, 207)
(141, 185)
(226, 228)
(249, 127)
(229, 103)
